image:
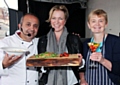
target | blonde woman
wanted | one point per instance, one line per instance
(58, 40)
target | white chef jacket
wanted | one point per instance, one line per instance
(17, 73)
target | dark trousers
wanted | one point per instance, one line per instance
(77, 84)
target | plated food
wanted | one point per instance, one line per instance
(14, 50)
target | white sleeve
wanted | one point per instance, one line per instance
(43, 70)
(83, 64)
(2, 71)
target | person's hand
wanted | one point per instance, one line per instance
(81, 60)
(83, 82)
(80, 57)
(97, 56)
(10, 60)
(76, 34)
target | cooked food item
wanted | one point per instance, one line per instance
(46, 55)
(51, 55)
(64, 54)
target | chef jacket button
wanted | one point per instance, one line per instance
(22, 42)
(27, 68)
(27, 81)
(35, 80)
(60, 72)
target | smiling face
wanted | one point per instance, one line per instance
(29, 25)
(97, 24)
(58, 20)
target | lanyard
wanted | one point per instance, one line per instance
(100, 48)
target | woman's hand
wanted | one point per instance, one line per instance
(97, 56)
(9, 60)
(83, 82)
(81, 60)
(80, 57)
(76, 34)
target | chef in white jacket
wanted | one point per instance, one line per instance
(13, 69)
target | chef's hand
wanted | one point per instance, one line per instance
(10, 60)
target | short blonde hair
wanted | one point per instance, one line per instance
(98, 12)
(58, 7)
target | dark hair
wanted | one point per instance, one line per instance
(22, 18)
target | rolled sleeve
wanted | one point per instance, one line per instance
(83, 64)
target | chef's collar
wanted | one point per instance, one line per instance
(28, 44)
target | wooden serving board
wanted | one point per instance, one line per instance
(72, 60)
